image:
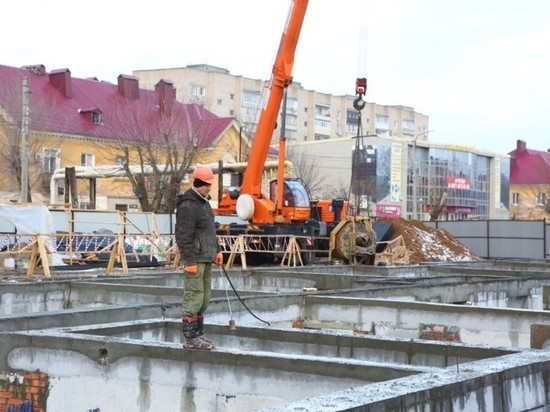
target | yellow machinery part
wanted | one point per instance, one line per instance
(353, 240)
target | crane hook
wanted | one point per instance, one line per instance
(359, 104)
(360, 90)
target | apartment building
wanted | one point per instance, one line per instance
(310, 115)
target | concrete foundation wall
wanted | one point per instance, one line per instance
(517, 383)
(123, 374)
(503, 327)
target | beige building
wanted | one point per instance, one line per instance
(310, 115)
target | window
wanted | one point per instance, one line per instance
(322, 111)
(219, 101)
(87, 159)
(541, 198)
(352, 117)
(251, 98)
(96, 117)
(120, 160)
(232, 96)
(198, 91)
(515, 198)
(408, 125)
(291, 119)
(321, 136)
(83, 204)
(249, 115)
(291, 134)
(291, 105)
(352, 129)
(382, 122)
(324, 124)
(50, 160)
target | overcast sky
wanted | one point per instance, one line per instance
(480, 69)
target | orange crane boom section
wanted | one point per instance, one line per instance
(280, 79)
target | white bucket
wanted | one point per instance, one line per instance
(9, 263)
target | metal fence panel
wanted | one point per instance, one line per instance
(515, 248)
(501, 238)
(478, 246)
(466, 228)
(532, 229)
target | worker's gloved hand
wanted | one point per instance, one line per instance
(219, 259)
(191, 269)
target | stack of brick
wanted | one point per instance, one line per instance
(23, 391)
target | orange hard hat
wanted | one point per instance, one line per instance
(203, 173)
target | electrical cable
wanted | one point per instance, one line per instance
(237, 294)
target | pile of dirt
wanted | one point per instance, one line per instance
(426, 244)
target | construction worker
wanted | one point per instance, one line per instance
(198, 247)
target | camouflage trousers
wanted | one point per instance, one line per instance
(197, 290)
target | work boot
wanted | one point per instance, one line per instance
(192, 340)
(200, 327)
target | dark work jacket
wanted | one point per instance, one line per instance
(195, 229)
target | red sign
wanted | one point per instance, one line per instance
(458, 183)
(383, 210)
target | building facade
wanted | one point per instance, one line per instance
(406, 178)
(310, 115)
(101, 129)
(529, 183)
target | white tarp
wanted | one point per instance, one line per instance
(32, 220)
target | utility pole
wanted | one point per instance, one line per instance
(24, 196)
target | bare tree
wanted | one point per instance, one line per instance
(433, 186)
(10, 152)
(156, 149)
(437, 204)
(306, 168)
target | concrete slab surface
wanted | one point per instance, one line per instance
(318, 338)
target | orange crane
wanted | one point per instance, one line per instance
(288, 210)
(250, 203)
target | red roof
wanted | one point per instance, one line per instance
(529, 167)
(60, 103)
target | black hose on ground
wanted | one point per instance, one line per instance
(238, 297)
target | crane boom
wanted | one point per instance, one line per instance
(281, 78)
(289, 209)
